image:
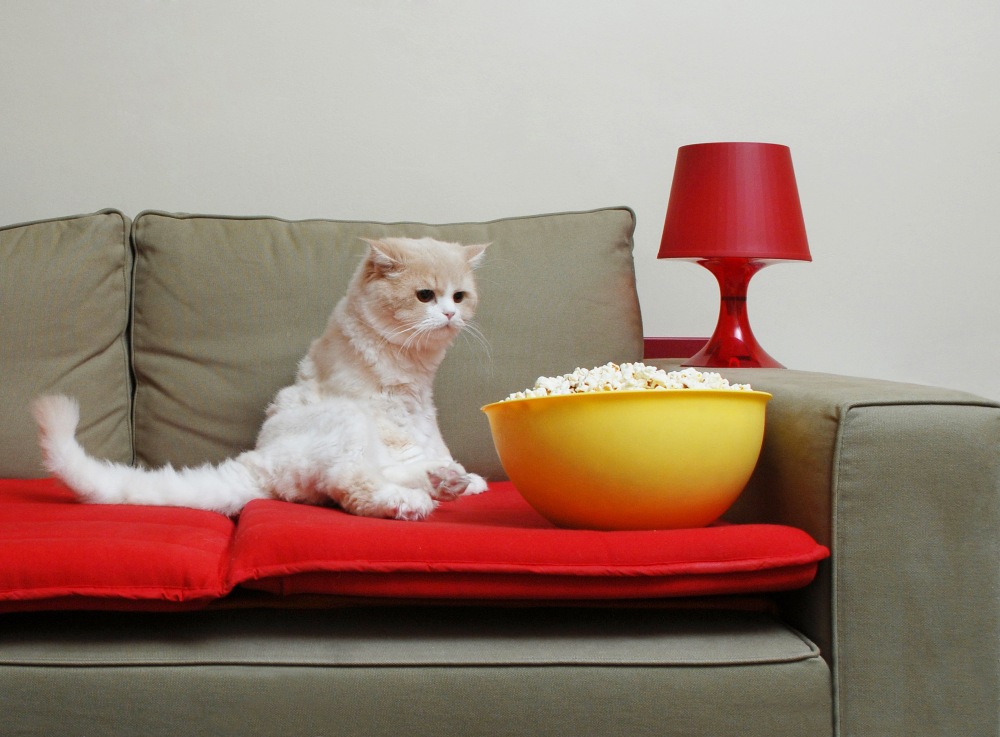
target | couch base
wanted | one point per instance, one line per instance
(412, 671)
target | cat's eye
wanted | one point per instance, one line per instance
(458, 297)
(425, 295)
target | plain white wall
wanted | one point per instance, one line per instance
(442, 110)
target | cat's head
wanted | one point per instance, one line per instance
(419, 292)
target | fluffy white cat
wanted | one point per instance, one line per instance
(358, 428)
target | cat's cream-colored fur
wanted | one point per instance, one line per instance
(357, 428)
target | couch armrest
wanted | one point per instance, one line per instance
(902, 482)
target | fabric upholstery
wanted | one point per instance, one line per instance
(941, 553)
(64, 297)
(225, 308)
(415, 671)
(901, 481)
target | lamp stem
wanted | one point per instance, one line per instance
(733, 344)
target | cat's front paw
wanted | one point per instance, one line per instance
(448, 482)
(393, 502)
(477, 484)
(410, 512)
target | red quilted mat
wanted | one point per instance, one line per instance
(56, 553)
(495, 546)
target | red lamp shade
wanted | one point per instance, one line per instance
(734, 208)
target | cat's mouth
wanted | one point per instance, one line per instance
(446, 331)
(449, 323)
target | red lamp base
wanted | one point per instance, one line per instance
(733, 344)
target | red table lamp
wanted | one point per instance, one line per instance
(734, 208)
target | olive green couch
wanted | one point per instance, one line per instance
(174, 331)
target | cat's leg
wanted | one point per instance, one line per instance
(450, 479)
(443, 480)
(388, 500)
(326, 453)
(434, 477)
(367, 493)
(352, 486)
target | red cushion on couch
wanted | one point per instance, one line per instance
(495, 546)
(56, 553)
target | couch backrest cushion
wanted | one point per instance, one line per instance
(225, 308)
(64, 297)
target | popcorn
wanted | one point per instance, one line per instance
(627, 377)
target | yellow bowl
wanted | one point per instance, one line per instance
(630, 460)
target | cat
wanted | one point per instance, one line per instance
(357, 428)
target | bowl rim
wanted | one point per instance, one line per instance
(686, 392)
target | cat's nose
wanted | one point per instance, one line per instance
(448, 314)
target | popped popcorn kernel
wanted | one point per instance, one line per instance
(626, 377)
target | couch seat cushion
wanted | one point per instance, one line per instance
(494, 546)
(56, 553)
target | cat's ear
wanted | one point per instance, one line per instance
(475, 254)
(384, 259)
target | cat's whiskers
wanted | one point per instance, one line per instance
(413, 333)
(389, 339)
(481, 349)
(473, 333)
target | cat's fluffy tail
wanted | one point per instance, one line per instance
(225, 488)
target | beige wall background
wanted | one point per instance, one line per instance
(443, 110)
